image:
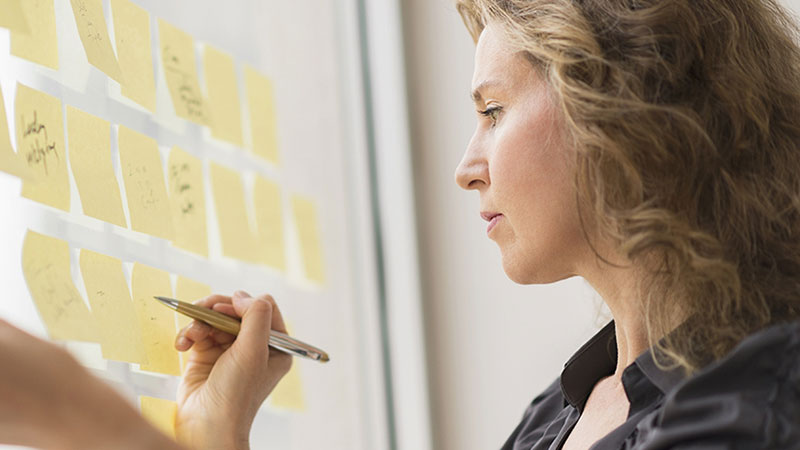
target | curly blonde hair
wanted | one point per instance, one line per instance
(685, 116)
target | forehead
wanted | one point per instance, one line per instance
(497, 63)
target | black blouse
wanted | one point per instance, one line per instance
(748, 400)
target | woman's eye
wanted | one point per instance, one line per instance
(492, 113)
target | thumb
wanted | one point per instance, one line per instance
(256, 319)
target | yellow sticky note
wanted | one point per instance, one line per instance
(234, 225)
(45, 263)
(288, 394)
(132, 35)
(10, 161)
(40, 43)
(156, 321)
(180, 69)
(188, 290)
(261, 106)
(308, 231)
(188, 201)
(40, 142)
(90, 160)
(93, 31)
(145, 190)
(161, 413)
(12, 16)
(112, 308)
(269, 219)
(223, 96)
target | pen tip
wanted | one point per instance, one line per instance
(167, 301)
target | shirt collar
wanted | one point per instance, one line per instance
(663, 379)
(597, 358)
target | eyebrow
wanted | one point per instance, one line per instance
(476, 93)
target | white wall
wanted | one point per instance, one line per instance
(492, 345)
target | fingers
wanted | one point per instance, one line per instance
(256, 316)
(212, 300)
(261, 318)
(225, 308)
(277, 318)
(278, 359)
(196, 331)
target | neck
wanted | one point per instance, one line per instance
(618, 288)
(631, 336)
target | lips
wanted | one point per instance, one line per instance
(492, 218)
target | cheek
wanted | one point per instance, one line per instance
(531, 164)
(533, 182)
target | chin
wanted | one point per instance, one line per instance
(529, 272)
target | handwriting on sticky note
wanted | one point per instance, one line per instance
(40, 142)
(132, 35)
(10, 161)
(161, 413)
(261, 106)
(12, 16)
(39, 44)
(90, 161)
(156, 321)
(145, 190)
(46, 266)
(234, 224)
(180, 70)
(269, 221)
(112, 308)
(308, 231)
(188, 202)
(93, 31)
(223, 96)
(41, 148)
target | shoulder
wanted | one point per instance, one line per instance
(544, 406)
(539, 417)
(749, 399)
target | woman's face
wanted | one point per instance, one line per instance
(518, 163)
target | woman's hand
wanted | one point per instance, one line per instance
(226, 379)
(47, 400)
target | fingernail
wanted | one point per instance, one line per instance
(242, 300)
(241, 294)
(183, 342)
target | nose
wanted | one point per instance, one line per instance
(473, 170)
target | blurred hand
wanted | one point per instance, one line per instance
(48, 400)
(226, 378)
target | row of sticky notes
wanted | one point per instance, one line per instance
(128, 323)
(33, 37)
(173, 210)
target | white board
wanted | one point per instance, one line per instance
(309, 50)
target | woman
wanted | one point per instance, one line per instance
(649, 146)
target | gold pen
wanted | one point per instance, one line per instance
(228, 324)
